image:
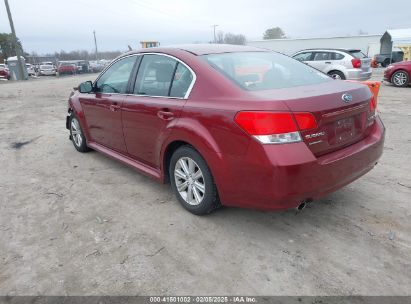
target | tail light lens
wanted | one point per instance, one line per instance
(275, 127)
(356, 63)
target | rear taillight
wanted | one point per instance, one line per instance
(305, 121)
(356, 63)
(275, 127)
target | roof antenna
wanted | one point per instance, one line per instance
(130, 48)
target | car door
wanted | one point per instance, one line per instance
(321, 60)
(102, 107)
(159, 94)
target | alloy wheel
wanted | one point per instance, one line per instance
(76, 132)
(400, 78)
(189, 181)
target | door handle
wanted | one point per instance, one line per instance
(328, 62)
(165, 114)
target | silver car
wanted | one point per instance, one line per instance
(338, 63)
(47, 70)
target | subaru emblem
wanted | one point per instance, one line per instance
(346, 97)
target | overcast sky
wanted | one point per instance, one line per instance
(45, 26)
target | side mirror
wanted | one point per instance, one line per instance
(86, 87)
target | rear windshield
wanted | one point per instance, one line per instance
(46, 67)
(357, 54)
(257, 71)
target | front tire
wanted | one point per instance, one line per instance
(337, 75)
(77, 135)
(400, 78)
(192, 182)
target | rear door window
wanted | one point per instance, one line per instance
(155, 75)
(181, 82)
(162, 76)
(321, 56)
(337, 56)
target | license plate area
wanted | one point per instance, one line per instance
(344, 130)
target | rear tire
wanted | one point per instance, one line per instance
(77, 135)
(400, 78)
(385, 63)
(192, 182)
(337, 75)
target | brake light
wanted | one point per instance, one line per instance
(305, 121)
(356, 63)
(275, 127)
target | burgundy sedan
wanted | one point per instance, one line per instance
(229, 125)
(398, 73)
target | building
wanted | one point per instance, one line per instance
(149, 44)
(368, 44)
(393, 39)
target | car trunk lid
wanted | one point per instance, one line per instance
(341, 110)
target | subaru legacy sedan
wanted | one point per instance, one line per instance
(229, 125)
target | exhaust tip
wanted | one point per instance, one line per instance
(301, 206)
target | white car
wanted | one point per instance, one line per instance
(338, 63)
(30, 69)
(47, 70)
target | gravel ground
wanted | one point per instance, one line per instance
(84, 224)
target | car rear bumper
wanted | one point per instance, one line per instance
(47, 73)
(282, 176)
(358, 74)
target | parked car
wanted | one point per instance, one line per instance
(399, 74)
(338, 63)
(96, 66)
(386, 59)
(192, 116)
(30, 69)
(47, 70)
(83, 66)
(4, 71)
(67, 68)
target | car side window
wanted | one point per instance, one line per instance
(155, 75)
(303, 56)
(115, 79)
(181, 82)
(337, 56)
(321, 56)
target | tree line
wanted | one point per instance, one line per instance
(7, 48)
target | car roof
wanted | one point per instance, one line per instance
(203, 49)
(331, 49)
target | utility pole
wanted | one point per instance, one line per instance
(95, 43)
(15, 44)
(214, 26)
